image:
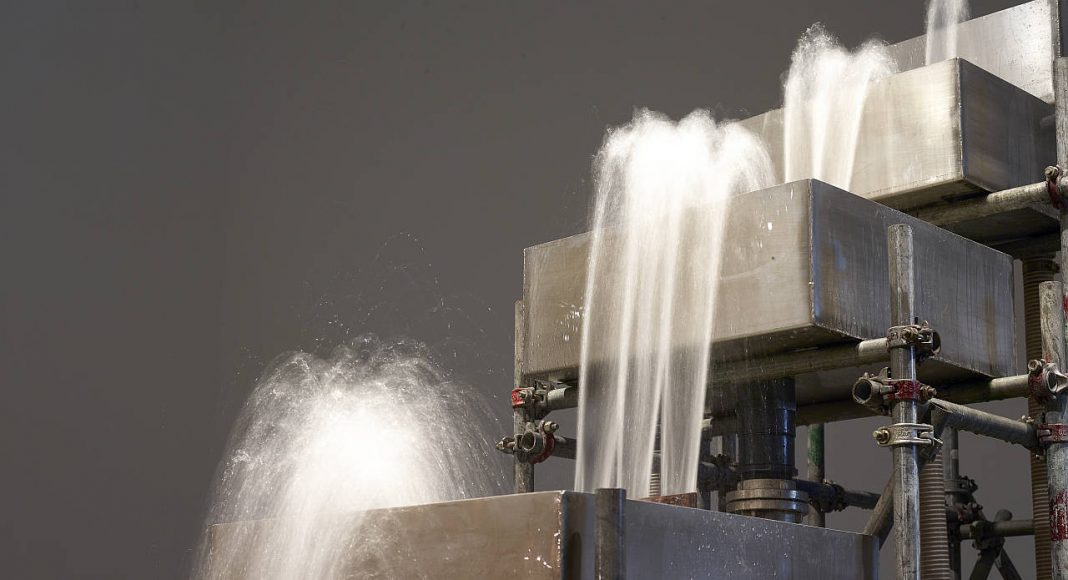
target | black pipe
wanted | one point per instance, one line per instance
(767, 413)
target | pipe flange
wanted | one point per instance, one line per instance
(777, 499)
(914, 434)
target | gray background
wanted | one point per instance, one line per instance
(190, 189)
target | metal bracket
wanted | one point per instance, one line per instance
(915, 434)
(1045, 380)
(1052, 433)
(522, 397)
(925, 339)
(534, 445)
(879, 392)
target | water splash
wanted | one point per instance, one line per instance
(824, 97)
(320, 441)
(660, 205)
(943, 18)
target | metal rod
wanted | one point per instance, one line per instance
(1035, 271)
(816, 470)
(988, 205)
(903, 367)
(946, 415)
(561, 398)
(792, 364)
(845, 409)
(1053, 344)
(610, 556)
(830, 494)
(1005, 529)
(1051, 299)
(524, 472)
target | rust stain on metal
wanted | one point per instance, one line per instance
(1058, 517)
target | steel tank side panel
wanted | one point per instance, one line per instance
(554, 284)
(765, 260)
(512, 536)
(1016, 44)
(675, 542)
(912, 148)
(909, 150)
(964, 289)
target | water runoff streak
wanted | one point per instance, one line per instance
(662, 190)
(320, 441)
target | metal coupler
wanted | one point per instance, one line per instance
(1052, 433)
(921, 336)
(915, 434)
(1045, 380)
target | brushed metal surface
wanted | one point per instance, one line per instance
(938, 133)
(804, 265)
(549, 535)
(1016, 44)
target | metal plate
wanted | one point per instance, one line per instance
(804, 265)
(939, 133)
(550, 535)
(1016, 44)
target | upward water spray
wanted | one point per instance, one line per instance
(824, 97)
(321, 441)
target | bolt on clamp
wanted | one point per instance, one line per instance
(879, 392)
(534, 445)
(916, 434)
(1056, 186)
(921, 336)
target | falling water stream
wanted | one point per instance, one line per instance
(661, 202)
(322, 440)
(943, 16)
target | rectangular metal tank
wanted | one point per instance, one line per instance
(804, 265)
(939, 133)
(1016, 44)
(550, 535)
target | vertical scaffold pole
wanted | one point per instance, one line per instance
(524, 471)
(904, 411)
(816, 469)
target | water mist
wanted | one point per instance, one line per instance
(320, 441)
(661, 197)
